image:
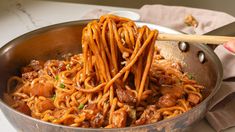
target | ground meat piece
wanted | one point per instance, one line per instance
(85, 124)
(61, 66)
(23, 107)
(41, 73)
(126, 96)
(193, 98)
(175, 90)
(150, 115)
(26, 69)
(90, 110)
(131, 118)
(68, 121)
(36, 65)
(154, 95)
(46, 105)
(29, 75)
(97, 121)
(119, 118)
(42, 89)
(167, 100)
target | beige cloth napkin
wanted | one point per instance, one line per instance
(173, 17)
(222, 111)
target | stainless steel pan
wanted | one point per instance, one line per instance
(54, 41)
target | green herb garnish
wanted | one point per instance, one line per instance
(57, 77)
(80, 106)
(190, 76)
(62, 85)
(53, 97)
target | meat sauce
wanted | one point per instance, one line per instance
(166, 91)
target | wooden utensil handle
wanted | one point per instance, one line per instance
(206, 39)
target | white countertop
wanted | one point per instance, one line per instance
(18, 17)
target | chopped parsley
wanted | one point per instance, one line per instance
(56, 77)
(80, 106)
(62, 85)
(190, 76)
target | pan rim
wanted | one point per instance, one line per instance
(211, 54)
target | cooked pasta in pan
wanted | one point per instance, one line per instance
(119, 80)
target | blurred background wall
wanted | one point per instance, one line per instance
(227, 6)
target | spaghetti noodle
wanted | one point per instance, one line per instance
(119, 80)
